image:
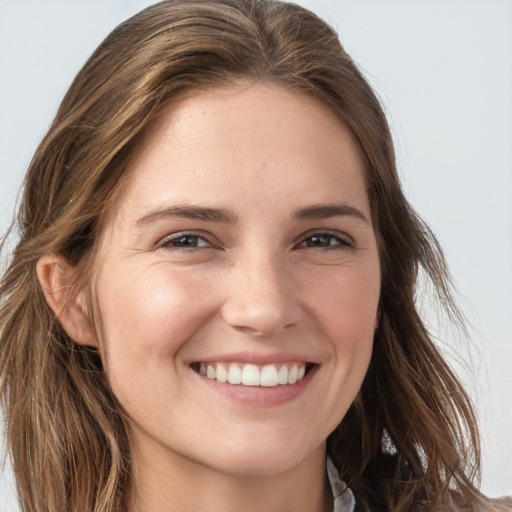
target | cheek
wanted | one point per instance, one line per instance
(346, 303)
(346, 308)
(343, 301)
(146, 319)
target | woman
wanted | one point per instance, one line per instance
(213, 293)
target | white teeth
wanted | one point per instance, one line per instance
(283, 375)
(250, 375)
(222, 374)
(292, 375)
(234, 374)
(269, 375)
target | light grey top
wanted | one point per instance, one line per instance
(344, 500)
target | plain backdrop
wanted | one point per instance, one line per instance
(443, 69)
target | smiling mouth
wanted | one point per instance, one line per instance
(269, 375)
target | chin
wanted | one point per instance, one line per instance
(263, 456)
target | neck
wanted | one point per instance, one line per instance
(163, 481)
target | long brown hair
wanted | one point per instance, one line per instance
(409, 441)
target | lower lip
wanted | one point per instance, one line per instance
(260, 396)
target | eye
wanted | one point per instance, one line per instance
(327, 240)
(185, 241)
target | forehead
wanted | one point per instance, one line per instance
(224, 143)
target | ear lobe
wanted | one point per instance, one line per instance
(56, 279)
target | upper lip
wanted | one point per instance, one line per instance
(257, 358)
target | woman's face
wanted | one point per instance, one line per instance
(241, 247)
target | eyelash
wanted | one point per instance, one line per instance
(342, 243)
(168, 243)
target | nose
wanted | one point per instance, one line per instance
(261, 296)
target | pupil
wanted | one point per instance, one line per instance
(321, 240)
(186, 241)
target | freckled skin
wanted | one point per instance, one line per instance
(257, 285)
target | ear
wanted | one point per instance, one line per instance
(56, 278)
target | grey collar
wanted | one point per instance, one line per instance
(344, 500)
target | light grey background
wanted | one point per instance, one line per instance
(443, 69)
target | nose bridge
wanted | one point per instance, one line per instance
(261, 298)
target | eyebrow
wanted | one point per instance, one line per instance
(223, 215)
(324, 211)
(190, 212)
